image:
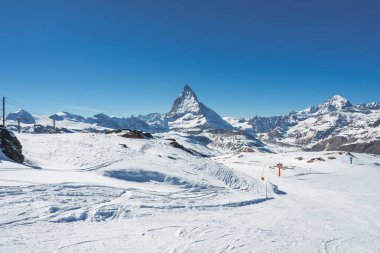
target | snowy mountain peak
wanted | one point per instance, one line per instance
(337, 97)
(60, 116)
(190, 114)
(187, 88)
(101, 116)
(22, 115)
(187, 102)
(21, 111)
(63, 114)
(337, 102)
(333, 104)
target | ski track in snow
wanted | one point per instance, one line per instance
(90, 194)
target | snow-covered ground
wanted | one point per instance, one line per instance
(87, 192)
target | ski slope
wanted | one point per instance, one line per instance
(86, 192)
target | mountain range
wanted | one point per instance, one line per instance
(335, 124)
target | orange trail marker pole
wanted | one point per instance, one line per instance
(279, 165)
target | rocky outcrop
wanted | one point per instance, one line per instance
(39, 129)
(372, 147)
(10, 145)
(132, 134)
(175, 144)
(342, 143)
(136, 134)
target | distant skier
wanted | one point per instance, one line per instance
(350, 159)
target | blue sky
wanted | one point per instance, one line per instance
(242, 58)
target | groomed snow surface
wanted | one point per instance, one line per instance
(104, 193)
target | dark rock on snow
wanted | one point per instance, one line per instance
(39, 129)
(10, 145)
(132, 134)
(175, 144)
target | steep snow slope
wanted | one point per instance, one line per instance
(86, 192)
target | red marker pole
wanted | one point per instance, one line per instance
(279, 169)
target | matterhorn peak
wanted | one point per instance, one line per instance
(187, 88)
(188, 93)
(187, 102)
(187, 112)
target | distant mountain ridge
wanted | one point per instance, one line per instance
(22, 115)
(335, 124)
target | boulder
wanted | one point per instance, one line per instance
(10, 145)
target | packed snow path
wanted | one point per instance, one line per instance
(88, 193)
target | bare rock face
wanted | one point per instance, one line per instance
(372, 147)
(136, 134)
(351, 145)
(10, 145)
